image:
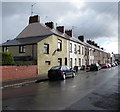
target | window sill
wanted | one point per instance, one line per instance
(21, 52)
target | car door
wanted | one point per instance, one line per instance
(64, 69)
(69, 71)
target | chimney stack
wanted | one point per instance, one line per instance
(92, 43)
(69, 32)
(89, 42)
(95, 44)
(81, 38)
(50, 25)
(34, 19)
(60, 29)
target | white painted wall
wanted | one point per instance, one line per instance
(76, 56)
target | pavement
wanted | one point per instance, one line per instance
(23, 82)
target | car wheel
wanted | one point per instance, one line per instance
(63, 77)
(73, 74)
(97, 69)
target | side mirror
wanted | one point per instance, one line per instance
(70, 68)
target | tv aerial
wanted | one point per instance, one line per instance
(32, 9)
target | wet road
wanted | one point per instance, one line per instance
(69, 94)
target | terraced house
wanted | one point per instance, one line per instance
(41, 43)
(49, 46)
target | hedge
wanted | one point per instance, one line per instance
(7, 58)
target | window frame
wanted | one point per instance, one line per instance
(79, 49)
(71, 62)
(59, 61)
(75, 61)
(80, 62)
(82, 50)
(75, 48)
(5, 49)
(46, 48)
(47, 62)
(59, 45)
(22, 49)
(70, 47)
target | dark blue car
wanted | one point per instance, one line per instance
(60, 72)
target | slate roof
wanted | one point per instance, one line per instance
(35, 29)
(25, 41)
(36, 32)
(91, 46)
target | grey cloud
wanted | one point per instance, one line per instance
(94, 21)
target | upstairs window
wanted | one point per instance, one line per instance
(59, 45)
(22, 49)
(75, 49)
(82, 50)
(46, 48)
(79, 50)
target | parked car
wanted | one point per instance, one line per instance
(113, 64)
(109, 65)
(95, 67)
(116, 63)
(104, 65)
(61, 72)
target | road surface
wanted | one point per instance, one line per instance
(96, 90)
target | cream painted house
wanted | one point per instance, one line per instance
(42, 43)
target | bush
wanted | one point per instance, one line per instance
(22, 63)
(7, 58)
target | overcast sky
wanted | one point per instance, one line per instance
(97, 21)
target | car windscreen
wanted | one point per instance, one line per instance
(55, 68)
(93, 64)
(103, 64)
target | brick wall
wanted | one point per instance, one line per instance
(18, 72)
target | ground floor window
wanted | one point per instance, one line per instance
(75, 62)
(65, 61)
(79, 61)
(82, 61)
(5, 49)
(71, 62)
(59, 61)
(47, 62)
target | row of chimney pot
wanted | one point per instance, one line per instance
(36, 19)
(93, 43)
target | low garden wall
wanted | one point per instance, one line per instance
(18, 72)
